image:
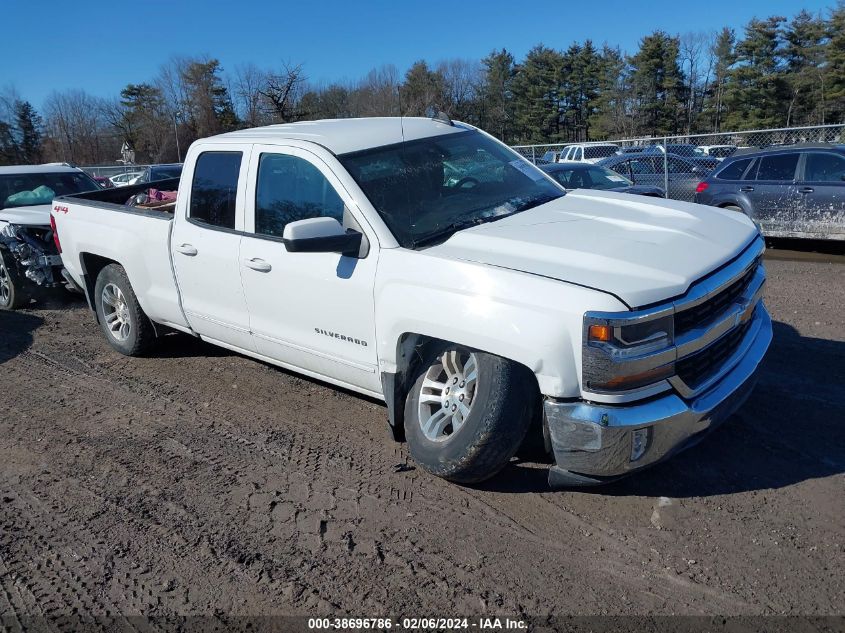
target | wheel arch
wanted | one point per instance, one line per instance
(91, 266)
(412, 348)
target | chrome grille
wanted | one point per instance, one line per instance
(706, 312)
(695, 369)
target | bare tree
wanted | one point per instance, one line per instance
(77, 129)
(246, 91)
(282, 91)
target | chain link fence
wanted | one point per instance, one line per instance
(675, 164)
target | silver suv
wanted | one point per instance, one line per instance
(794, 191)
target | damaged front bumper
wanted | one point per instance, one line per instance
(595, 443)
(33, 254)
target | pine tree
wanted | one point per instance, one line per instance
(496, 93)
(833, 75)
(805, 37)
(28, 124)
(658, 85)
(757, 93)
(536, 96)
(611, 118)
(723, 59)
(422, 90)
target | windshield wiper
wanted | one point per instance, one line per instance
(447, 231)
(536, 202)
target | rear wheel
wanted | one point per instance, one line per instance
(126, 327)
(467, 413)
(733, 207)
(13, 292)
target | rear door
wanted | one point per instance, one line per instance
(822, 194)
(774, 192)
(205, 246)
(312, 311)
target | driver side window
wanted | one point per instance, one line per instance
(290, 188)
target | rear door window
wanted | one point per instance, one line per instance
(779, 167)
(734, 170)
(214, 189)
(825, 167)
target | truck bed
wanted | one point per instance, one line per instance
(116, 199)
(98, 226)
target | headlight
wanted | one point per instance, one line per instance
(623, 353)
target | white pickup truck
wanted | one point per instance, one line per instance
(425, 263)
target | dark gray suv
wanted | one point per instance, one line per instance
(795, 191)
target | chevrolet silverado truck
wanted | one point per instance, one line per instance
(30, 266)
(423, 262)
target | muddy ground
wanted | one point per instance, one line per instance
(197, 481)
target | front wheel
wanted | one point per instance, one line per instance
(13, 294)
(467, 413)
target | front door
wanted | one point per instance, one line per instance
(312, 311)
(822, 191)
(205, 245)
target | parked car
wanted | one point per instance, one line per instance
(548, 157)
(716, 151)
(29, 262)
(122, 180)
(631, 149)
(709, 163)
(479, 310)
(587, 152)
(651, 169)
(794, 191)
(104, 182)
(586, 176)
(158, 172)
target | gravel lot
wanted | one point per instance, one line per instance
(197, 481)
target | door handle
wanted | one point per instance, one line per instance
(186, 249)
(258, 264)
(746, 188)
(806, 190)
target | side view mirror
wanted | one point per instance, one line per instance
(321, 235)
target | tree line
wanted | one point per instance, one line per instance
(776, 72)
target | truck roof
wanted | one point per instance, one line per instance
(36, 169)
(342, 136)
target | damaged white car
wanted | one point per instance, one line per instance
(29, 260)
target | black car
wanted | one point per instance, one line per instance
(587, 176)
(160, 172)
(795, 191)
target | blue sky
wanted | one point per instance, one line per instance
(101, 46)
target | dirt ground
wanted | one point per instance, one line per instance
(197, 481)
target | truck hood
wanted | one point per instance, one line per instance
(642, 250)
(38, 215)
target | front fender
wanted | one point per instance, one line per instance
(531, 320)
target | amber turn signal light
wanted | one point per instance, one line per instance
(600, 333)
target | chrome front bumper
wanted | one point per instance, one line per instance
(594, 443)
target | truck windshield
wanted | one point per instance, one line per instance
(427, 189)
(23, 190)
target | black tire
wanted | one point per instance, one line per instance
(503, 405)
(141, 334)
(14, 291)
